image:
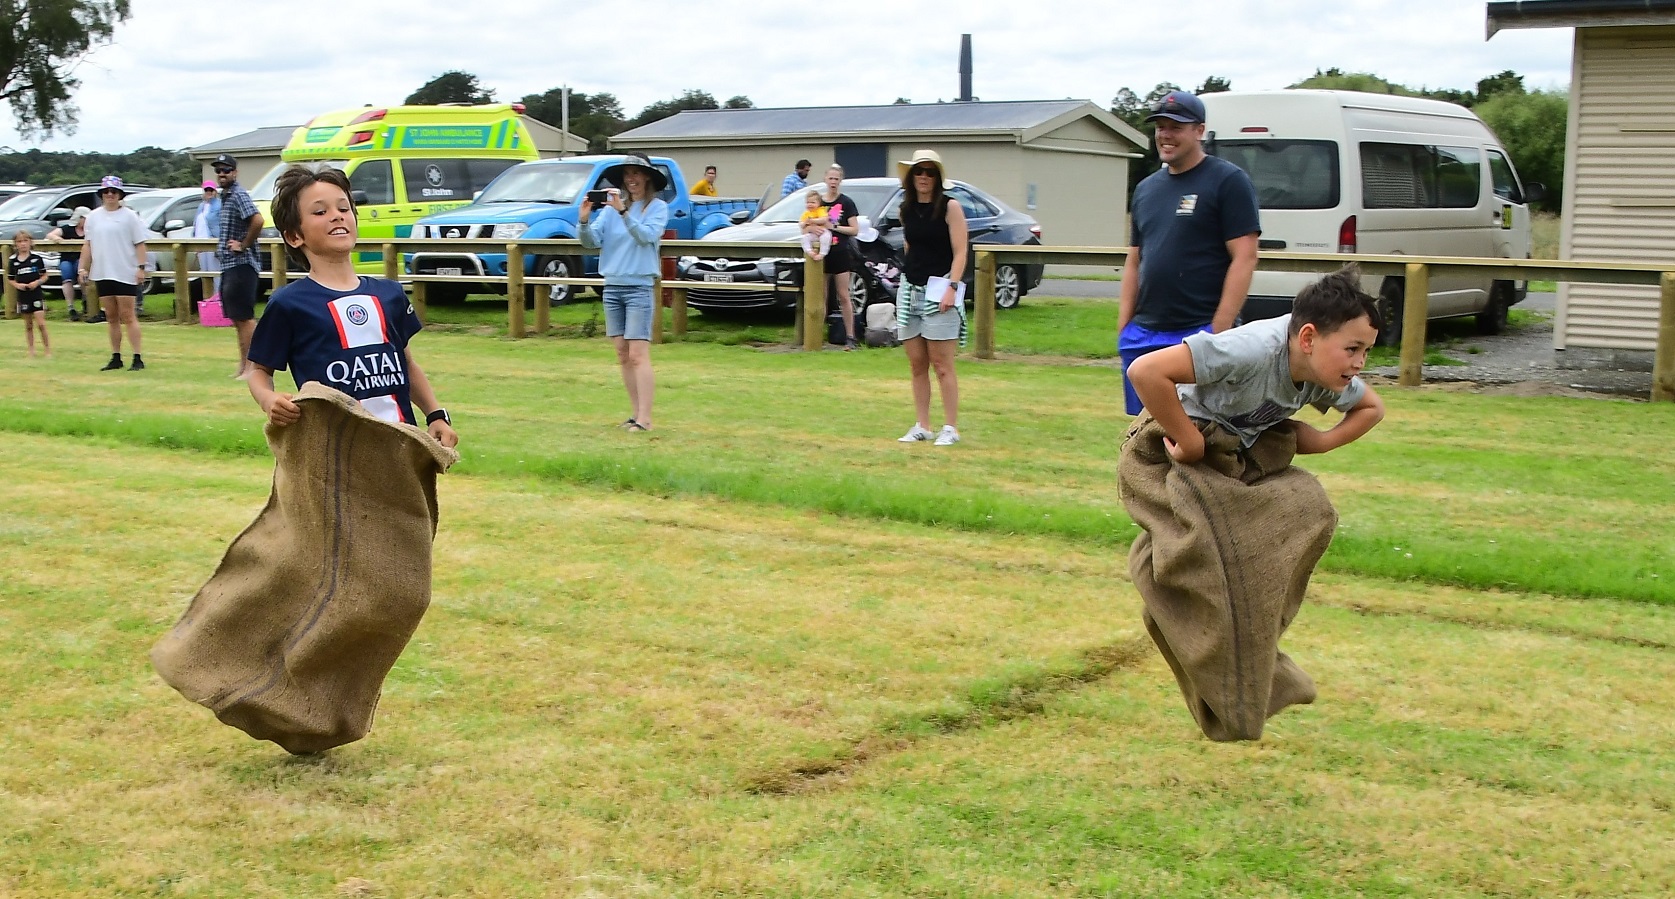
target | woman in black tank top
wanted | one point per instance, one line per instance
(933, 226)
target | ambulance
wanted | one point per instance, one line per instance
(409, 161)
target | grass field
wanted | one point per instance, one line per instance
(770, 652)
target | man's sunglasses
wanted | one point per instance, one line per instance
(225, 171)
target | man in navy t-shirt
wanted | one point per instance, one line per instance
(1194, 225)
(355, 341)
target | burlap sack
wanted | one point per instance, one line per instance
(291, 638)
(1225, 556)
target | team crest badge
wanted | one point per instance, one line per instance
(356, 314)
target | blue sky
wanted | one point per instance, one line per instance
(185, 72)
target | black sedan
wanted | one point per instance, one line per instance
(988, 220)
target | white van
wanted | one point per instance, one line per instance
(1349, 172)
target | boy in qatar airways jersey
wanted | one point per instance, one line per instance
(335, 326)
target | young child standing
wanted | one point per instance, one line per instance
(344, 330)
(1232, 530)
(817, 227)
(28, 271)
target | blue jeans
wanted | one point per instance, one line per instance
(1136, 341)
(628, 310)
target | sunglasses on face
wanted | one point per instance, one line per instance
(924, 171)
(224, 171)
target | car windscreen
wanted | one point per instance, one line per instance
(27, 206)
(1288, 174)
(546, 183)
(147, 205)
(869, 197)
(263, 189)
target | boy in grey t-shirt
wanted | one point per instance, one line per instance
(1231, 529)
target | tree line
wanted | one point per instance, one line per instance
(1531, 124)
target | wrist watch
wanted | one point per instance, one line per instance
(440, 415)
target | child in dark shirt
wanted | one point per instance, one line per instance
(344, 330)
(28, 271)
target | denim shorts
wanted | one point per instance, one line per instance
(628, 311)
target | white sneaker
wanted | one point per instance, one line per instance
(947, 437)
(915, 435)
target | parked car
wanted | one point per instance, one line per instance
(988, 221)
(536, 201)
(45, 208)
(166, 213)
(1347, 172)
(7, 191)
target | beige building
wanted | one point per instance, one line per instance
(1065, 162)
(1619, 181)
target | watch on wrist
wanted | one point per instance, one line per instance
(439, 415)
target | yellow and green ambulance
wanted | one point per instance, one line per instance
(410, 161)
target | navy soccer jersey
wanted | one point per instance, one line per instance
(353, 340)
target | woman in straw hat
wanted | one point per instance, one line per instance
(930, 308)
(627, 230)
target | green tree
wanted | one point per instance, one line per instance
(1507, 82)
(452, 86)
(41, 42)
(739, 102)
(1335, 79)
(662, 109)
(1214, 85)
(1532, 127)
(593, 116)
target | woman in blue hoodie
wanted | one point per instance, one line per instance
(627, 230)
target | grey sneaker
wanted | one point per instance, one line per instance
(915, 435)
(947, 436)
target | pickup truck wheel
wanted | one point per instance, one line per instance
(1492, 320)
(1390, 309)
(1009, 288)
(554, 267)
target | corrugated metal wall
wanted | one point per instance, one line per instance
(1621, 180)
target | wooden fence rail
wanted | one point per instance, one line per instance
(1415, 271)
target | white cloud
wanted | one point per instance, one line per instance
(186, 72)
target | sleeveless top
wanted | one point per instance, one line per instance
(929, 251)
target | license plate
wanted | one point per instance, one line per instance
(450, 271)
(722, 277)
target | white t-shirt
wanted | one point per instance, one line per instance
(113, 236)
(1244, 380)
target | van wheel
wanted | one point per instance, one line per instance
(1390, 302)
(1008, 287)
(858, 299)
(554, 267)
(1492, 320)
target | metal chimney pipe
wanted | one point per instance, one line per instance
(965, 67)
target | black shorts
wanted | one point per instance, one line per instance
(26, 305)
(840, 259)
(238, 292)
(110, 288)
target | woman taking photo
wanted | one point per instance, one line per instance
(113, 258)
(625, 224)
(931, 326)
(841, 257)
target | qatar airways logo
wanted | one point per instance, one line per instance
(369, 371)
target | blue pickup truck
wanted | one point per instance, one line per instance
(537, 201)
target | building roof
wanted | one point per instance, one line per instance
(1577, 13)
(273, 138)
(1023, 119)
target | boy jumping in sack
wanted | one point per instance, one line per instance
(1232, 531)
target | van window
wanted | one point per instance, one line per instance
(436, 180)
(374, 177)
(1414, 176)
(1288, 174)
(1501, 179)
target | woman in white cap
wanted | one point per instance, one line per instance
(69, 261)
(626, 226)
(114, 259)
(207, 223)
(931, 325)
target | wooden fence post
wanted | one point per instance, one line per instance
(985, 299)
(1663, 364)
(657, 310)
(419, 298)
(814, 304)
(10, 291)
(544, 305)
(182, 287)
(392, 263)
(1415, 314)
(280, 272)
(680, 312)
(514, 291)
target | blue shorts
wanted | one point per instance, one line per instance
(67, 270)
(1136, 341)
(628, 311)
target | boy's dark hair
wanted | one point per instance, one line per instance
(287, 202)
(1334, 301)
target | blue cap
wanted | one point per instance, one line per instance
(1180, 106)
